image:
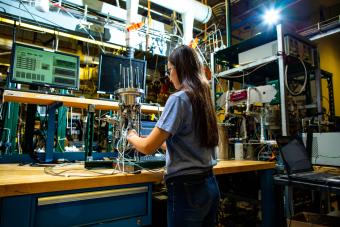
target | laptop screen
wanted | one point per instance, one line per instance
(295, 156)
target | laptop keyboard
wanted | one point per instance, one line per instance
(314, 176)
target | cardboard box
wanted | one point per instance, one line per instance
(306, 219)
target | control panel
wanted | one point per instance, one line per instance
(37, 66)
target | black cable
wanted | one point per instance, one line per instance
(3, 9)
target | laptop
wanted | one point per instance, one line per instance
(298, 164)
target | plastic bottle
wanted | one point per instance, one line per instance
(238, 150)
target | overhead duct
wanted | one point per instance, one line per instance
(188, 25)
(194, 10)
(191, 10)
(132, 17)
(201, 12)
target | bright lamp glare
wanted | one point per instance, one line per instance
(272, 16)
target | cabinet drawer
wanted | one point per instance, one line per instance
(92, 207)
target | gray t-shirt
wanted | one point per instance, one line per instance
(184, 154)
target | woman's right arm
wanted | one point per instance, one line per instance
(149, 144)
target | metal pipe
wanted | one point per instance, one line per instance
(132, 17)
(202, 13)
(188, 25)
(117, 3)
(120, 74)
(127, 76)
(248, 100)
(227, 22)
(318, 85)
(212, 71)
(262, 138)
(138, 84)
(280, 49)
(124, 77)
(117, 12)
(131, 75)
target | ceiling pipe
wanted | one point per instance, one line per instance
(132, 17)
(227, 22)
(202, 13)
(190, 10)
(115, 11)
(188, 25)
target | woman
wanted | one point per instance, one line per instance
(189, 129)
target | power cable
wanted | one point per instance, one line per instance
(304, 83)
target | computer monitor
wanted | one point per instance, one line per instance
(120, 72)
(37, 66)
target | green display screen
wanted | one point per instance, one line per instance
(32, 65)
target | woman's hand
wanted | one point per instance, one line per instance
(130, 134)
(149, 144)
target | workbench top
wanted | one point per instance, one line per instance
(22, 180)
(77, 102)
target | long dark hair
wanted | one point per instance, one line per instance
(190, 74)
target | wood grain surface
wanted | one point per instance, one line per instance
(21, 180)
(78, 102)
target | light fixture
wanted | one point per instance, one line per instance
(271, 16)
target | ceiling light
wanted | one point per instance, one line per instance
(271, 16)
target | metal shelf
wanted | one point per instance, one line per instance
(230, 72)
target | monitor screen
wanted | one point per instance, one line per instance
(37, 66)
(120, 72)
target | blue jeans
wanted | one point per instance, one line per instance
(192, 200)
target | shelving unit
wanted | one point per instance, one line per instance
(271, 67)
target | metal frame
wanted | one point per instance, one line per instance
(329, 77)
(280, 58)
(50, 131)
(280, 49)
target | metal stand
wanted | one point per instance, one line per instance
(129, 104)
(51, 131)
(267, 196)
(62, 125)
(89, 133)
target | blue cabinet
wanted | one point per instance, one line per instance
(109, 206)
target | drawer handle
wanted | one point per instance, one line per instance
(89, 195)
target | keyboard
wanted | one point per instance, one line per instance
(317, 177)
(151, 164)
(156, 157)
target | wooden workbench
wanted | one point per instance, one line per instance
(30, 197)
(78, 102)
(21, 180)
